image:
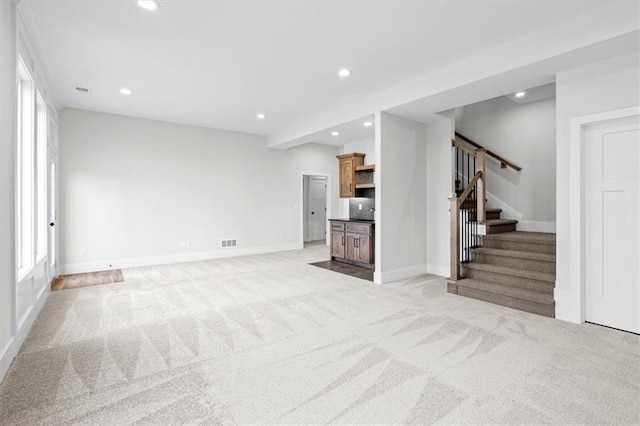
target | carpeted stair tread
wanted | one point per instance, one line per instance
(509, 291)
(516, 253)
(499, 226)
(536, 275)
(526, 237)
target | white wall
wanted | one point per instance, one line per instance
(364, 146)
(401, 205)
(600, 87)
(133, 189)
(8, 348)
(524, 134)
(439, 175)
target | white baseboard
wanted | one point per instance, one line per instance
(24, 326)
(568, 305)
(77, 268)
(399, 274)
(532, 226)
(6, 356)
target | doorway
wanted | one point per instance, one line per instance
(314, 208)
(611, 230)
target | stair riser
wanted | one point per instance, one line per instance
(525, 283)
(517, 263)
(510, 302)
(520, 246)
(490, 215)
(500, 229)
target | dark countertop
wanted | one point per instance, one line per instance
(354, 220)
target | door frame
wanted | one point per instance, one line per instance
(570, 301)
(52, 215)
(327, 240)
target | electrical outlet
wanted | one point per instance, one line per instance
(183, 244)
(359, 206)
(83, 252)
(188, 244)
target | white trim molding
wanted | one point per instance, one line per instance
(399, 274)
(570, 297)
(6, 356)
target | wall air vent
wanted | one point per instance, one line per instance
(228, 243)
(82, 90)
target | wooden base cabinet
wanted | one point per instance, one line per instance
(353, 242)
(359, 248)
(338, 244)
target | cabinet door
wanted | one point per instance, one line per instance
(347, 186)
(337, 244)
(364, 248)
(351, 250)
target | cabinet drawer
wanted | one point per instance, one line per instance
(337, 226)
(360, 228)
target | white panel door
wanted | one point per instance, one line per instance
(612, 212)
(317, 214)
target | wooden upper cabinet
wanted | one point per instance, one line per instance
(348, 164)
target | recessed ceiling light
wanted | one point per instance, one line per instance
(520, 94)
(126, 91)
(344, 72)
(335, 133)
(261, 116)
(149, 4)
(368, 124)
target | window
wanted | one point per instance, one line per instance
(25, 171)
(41, 178)
(31, 176)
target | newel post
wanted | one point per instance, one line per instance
(455, 239)
(481, 194)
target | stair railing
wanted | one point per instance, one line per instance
(468, 207)
(504, 163)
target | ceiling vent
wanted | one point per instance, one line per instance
(82, 90)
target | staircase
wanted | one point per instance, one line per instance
(514, 269)
(491, 261)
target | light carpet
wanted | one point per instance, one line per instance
(269, 339)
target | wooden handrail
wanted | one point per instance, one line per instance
(503, 162)
(462, 147)
(469, 188)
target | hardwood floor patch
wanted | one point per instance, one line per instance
(65, 282)
(345, 268)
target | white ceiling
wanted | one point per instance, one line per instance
(351, 131)
(218, 63)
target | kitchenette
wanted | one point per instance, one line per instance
(353, 237)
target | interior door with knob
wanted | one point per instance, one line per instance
(317, 208)
(612, 234)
